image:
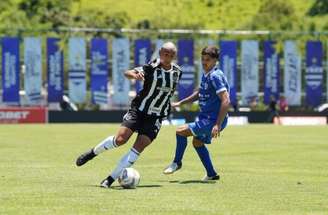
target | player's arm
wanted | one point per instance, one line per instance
(225, 103)
(134, 74)
(193, 97)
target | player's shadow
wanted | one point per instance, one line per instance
(193, 182)
(150, 186)
(117, 187)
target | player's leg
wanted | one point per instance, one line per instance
(147, 133)
(182, 133)
(129, 125)
(127, 160)
(181, 138)
(131, 157)
(110, 142)
(203, 134)
(204, 156)
(122, 136)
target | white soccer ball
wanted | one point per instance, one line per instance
(129, 178)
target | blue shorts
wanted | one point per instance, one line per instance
(202, 129)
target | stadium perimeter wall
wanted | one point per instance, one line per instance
(117, 116)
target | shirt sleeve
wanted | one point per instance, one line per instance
(219, 83)
(139, 69)
(143, 69)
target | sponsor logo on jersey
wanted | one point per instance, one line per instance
(164, 89)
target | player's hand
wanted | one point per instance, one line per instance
(175, 104)
(139, 76)
(216, 131)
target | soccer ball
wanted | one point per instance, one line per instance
(129, 178)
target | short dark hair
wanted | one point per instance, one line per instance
(211, 51)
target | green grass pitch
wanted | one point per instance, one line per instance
(265, 169)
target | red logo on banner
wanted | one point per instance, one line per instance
(23, 115)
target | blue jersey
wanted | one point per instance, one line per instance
(212, 83)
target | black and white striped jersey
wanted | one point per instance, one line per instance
(158, 88)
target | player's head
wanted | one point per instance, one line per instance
(210, 56)
(167, 53)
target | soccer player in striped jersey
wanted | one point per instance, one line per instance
(213, 96)
(146, 112)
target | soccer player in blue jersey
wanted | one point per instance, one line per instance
(213, 96)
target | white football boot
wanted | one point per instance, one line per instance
(172, 168)
(212, 178)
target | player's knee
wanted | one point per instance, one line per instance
(197, 144)
(181, 130)
(120, 140)
(141, 143)
(140, 146)
(178, 132)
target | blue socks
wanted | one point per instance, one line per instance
(180, 149)
(201, 151)
(206, 160)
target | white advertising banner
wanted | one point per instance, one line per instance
(249, 71)
(121, 62)
(292, 73)
(33, 70)
(77, 69)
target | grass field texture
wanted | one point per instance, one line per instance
(264, 169)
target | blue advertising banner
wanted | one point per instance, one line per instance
(77, 69)
(33, 70)
(142, 54)
(99, 71)
(186, 61)
(55, 67)
(10, 70)
(158, 44)
(271, 72)
(228, 64)
(314, 73)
